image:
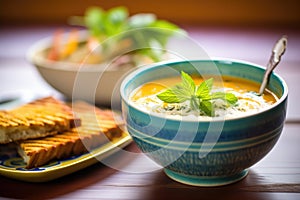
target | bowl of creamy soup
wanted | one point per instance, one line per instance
(203, 120)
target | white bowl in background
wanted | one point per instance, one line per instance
(95, 83)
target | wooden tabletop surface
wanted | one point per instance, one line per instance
(277, 176)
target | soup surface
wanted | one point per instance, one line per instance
(145, 98)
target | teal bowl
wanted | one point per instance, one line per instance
(205, 152)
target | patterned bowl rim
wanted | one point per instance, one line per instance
(131, 76)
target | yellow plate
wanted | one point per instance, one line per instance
(12, 166)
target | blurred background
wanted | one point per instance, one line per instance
(243, 13)
(240, 29)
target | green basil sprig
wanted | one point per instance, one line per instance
(149, 35)
(200, 96)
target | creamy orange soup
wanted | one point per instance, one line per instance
(248, 102)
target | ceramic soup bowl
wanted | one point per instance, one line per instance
(205, 152)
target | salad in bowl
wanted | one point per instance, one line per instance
(89, 61)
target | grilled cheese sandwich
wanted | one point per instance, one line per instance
(98, 127)
(40, 118)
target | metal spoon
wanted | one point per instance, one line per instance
(277, 52)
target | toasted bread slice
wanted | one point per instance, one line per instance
(40, 118)
(98, 127)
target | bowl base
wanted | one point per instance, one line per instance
(206, 181)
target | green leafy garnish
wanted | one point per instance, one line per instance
(146, 33)
(200, 97)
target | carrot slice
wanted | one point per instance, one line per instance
(71, 45)
(53, 53)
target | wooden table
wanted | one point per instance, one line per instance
(277, 176)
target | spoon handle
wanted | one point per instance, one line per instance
(277, 52)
